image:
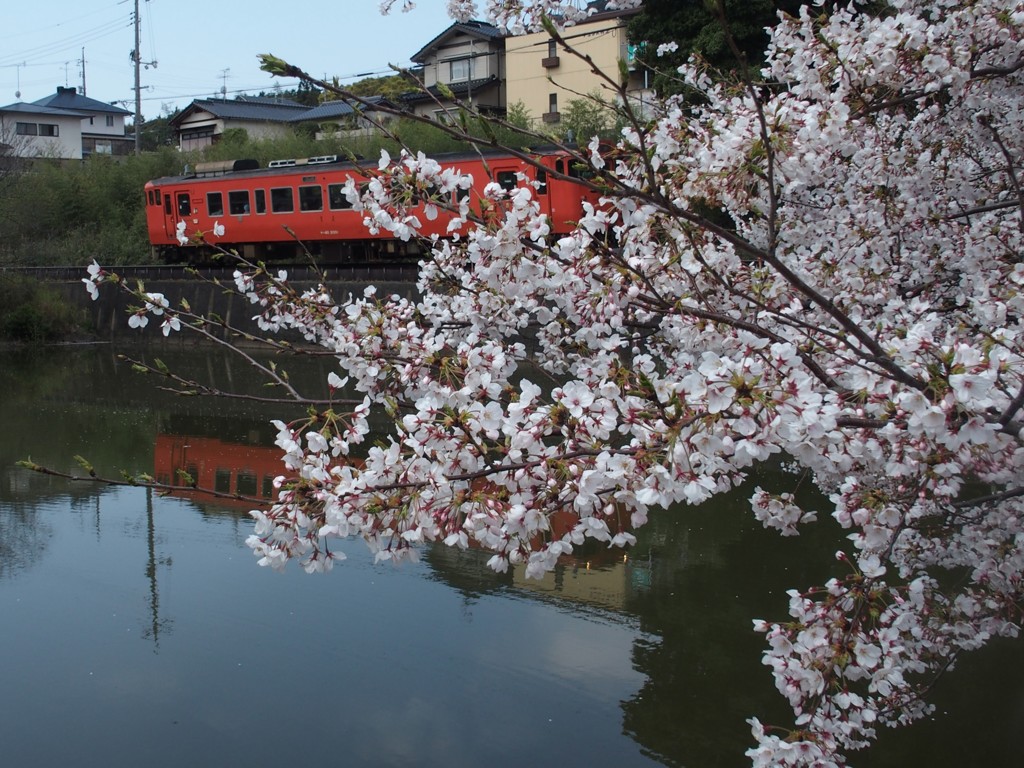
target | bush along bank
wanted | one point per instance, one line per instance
(33, 312)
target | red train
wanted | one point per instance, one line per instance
(268, 212)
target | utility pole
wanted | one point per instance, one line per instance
(83, 70)
(137, 58)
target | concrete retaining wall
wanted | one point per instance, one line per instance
(109, 313)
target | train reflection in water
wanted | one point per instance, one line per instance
(595, 574)
(240, 469)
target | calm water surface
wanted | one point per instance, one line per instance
(138, 630)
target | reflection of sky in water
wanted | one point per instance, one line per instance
(136, 630)
(376, 665)
(23, 537)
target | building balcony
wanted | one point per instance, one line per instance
(551, 117)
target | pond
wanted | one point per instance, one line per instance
(138, 629)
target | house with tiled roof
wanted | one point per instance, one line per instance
(468, 60)
(204, 121)
(103, 124)
(65, 125)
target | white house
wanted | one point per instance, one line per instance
(65, 125)
(28, 130)
(103, 124)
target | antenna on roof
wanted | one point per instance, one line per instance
(224, 82)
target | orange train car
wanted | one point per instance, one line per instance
(274, 213)
(226, 467)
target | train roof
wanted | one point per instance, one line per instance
(247, 169)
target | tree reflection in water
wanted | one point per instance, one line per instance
(687, 591)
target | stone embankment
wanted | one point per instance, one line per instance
(110, 312)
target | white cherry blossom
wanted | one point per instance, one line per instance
(824, 271)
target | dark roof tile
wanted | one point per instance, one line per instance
(478, 29)
(69, 98)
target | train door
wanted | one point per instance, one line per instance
(507, 178)
(177, 207)
(567, 197)
(169, 217)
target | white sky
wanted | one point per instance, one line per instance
(200, 46)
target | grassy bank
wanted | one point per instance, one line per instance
(33, 312)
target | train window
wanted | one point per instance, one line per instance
(429, 195)
(542, 182)
(281, 200)
(580, 171)
(559, 166)
(214, 204)
(238, 202)
(261, 200)
(184, 204)
(507, 180)
(246, 483)
(168, 206)
(461, 194)
(221, 480)
(336, 198)
(311, 198)
(156, 197)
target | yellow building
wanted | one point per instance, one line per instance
(544, 77)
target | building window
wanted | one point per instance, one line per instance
(552, 116)
(551, 60)
(49, 129)
(460, 69)
(26, 129)
(110, 121)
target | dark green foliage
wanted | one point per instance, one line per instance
(157, 133)
(307, 94)
(71, 213)
(31, 311)
(390, 87)
(696, 26)
(586, 117)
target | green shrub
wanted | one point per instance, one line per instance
(31, 311)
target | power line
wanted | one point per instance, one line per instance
(74, 41)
